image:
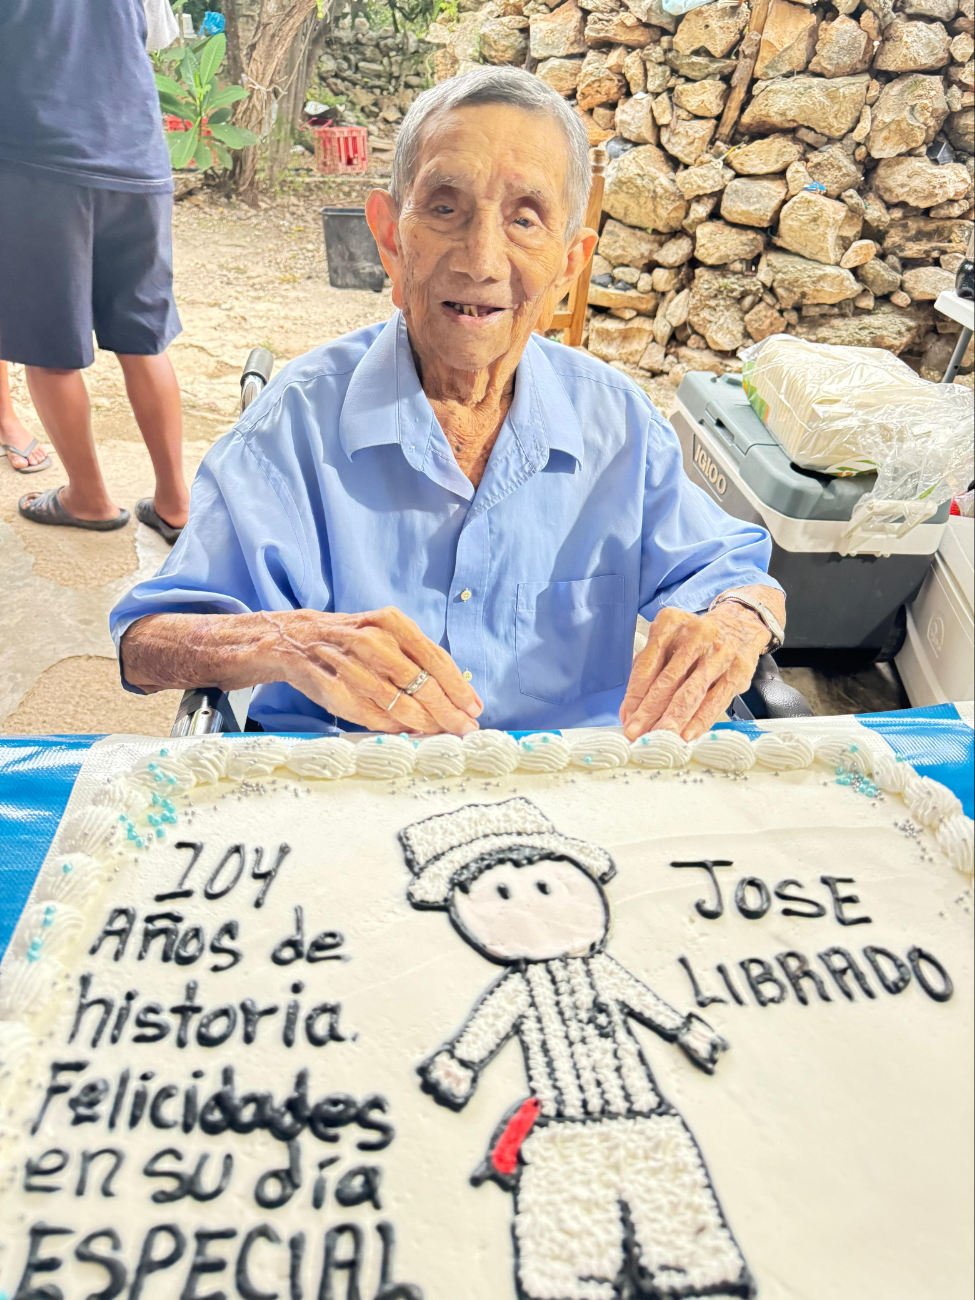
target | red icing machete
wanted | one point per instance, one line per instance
(504, 1156)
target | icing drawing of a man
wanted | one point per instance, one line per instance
(612, 1197)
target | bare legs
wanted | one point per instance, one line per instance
(61, 400)
(12, 431)
(154, 396)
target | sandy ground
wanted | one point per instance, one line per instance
(243, 279)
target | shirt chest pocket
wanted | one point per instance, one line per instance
(569, 638)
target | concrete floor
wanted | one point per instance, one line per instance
(876, 689)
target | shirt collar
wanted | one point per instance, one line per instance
(385, 404)
(541, 415)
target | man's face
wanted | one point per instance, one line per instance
(548, 909)
(480, 248)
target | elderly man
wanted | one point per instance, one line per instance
(446, 520)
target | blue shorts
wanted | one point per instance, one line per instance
(74, 261)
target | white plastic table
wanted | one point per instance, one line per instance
(961, 310)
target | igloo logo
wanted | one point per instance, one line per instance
(709, 470)
(936, 634)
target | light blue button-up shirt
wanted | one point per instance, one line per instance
(337, 490)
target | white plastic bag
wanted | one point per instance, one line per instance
(842, 410)
(161, 26)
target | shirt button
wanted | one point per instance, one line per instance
(465, 594)
(467, 675)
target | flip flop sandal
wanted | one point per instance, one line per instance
(147, 514)
(46, 508)
(11, 450)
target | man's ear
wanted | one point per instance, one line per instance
(382, 215)
(579, 252)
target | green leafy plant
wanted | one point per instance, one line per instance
(194, 96)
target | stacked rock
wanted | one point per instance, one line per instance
(377, 72)
(834, 201)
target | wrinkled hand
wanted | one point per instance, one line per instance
(355, 665)
(691, 668)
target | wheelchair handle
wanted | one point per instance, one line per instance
(255, 376)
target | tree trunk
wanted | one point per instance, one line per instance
(242, 17)
(294, 83)
(264, 57)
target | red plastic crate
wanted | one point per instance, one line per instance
(340, 150)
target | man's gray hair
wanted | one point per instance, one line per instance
(490, 85)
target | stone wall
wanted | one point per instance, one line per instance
(378, 73)
(837, 209)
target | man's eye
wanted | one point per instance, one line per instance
(526, 223)
(443, 210)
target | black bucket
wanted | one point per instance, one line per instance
(353, 258)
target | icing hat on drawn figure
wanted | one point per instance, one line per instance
(445, 849)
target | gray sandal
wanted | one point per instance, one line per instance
(46, 508)
(11, 450)
(147, 514)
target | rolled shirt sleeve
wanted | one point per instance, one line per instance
(692, 549)
(239, 552)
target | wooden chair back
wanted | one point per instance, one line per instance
(572, 321)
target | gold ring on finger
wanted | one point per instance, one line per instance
(416, 683)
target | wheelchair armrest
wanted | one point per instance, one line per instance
(769, 696)
(207, 710)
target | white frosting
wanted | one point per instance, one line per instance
(494, 753)
(890, 773)
(660, 749)
(326, 759)
(956, 840)
(26, 986)
(846, 751)
(725, 751)
(784, 751)
(207, 760)
(121, 796)
(71, 878)
(16, 1044)
(598, 750)
(92, 830)
(252, 759)
(384, 757)
(930, 802)
(46, 929)
(410, 982)
(163, 773)
(440, 756)
(543, 752)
